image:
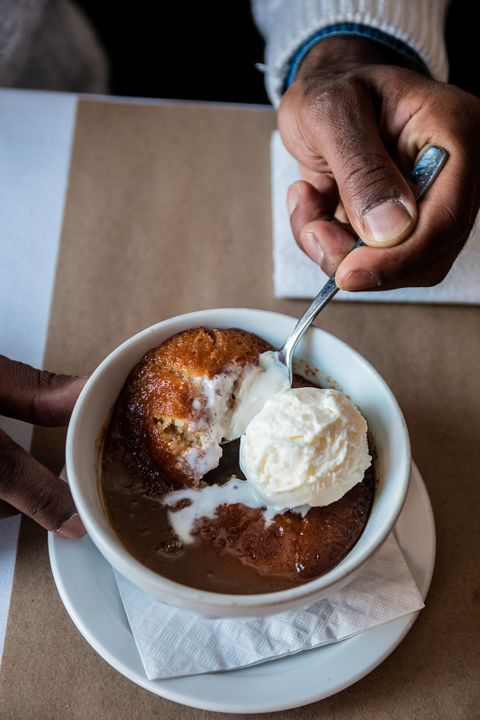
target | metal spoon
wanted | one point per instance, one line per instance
(421, 177)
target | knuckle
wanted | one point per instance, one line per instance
(43, 505)
(434, 275)
(12, 464)
(329, 102)
(44, 380)
(43, 383)
(456, 225)
(326, 101)
(450, 228)
(21, 489)
(368, 181)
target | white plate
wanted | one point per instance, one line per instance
(89, 592)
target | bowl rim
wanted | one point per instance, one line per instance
(184, 595)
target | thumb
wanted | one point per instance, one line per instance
(377, 198)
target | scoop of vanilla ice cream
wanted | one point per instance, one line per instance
(307, 446)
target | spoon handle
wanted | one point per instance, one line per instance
(421, 177)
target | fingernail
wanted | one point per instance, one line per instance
(388, 222)
(292, 198)
(312, 247)
(359, 280)
(72, 528)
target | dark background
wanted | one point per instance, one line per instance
(183, 50)
(208, 50)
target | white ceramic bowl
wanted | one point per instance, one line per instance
(354, 376)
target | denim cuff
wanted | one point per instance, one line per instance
(358, 30)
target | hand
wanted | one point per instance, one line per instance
(45, 399)
(356, 123)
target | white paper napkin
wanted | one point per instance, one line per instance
(296, 276)
(175, 643)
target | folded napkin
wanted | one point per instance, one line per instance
(296, 276)
(175, 643)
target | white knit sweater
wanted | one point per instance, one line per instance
(49, 43)
(287, 24)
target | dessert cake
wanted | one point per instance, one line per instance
(165, 435)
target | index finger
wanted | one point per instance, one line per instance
(32, 489)
(445, 218)
(37, 396)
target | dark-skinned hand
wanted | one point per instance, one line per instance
(26, 485)
(355, 120)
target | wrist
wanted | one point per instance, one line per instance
(345, 51)
(342, 53)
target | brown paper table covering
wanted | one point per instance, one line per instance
(168, 210)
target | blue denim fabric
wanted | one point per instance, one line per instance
(348, 28)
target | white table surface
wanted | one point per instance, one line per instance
(36, 130)
(36, 133)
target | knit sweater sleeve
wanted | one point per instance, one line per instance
(287, 25)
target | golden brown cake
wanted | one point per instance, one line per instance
(164, 415)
